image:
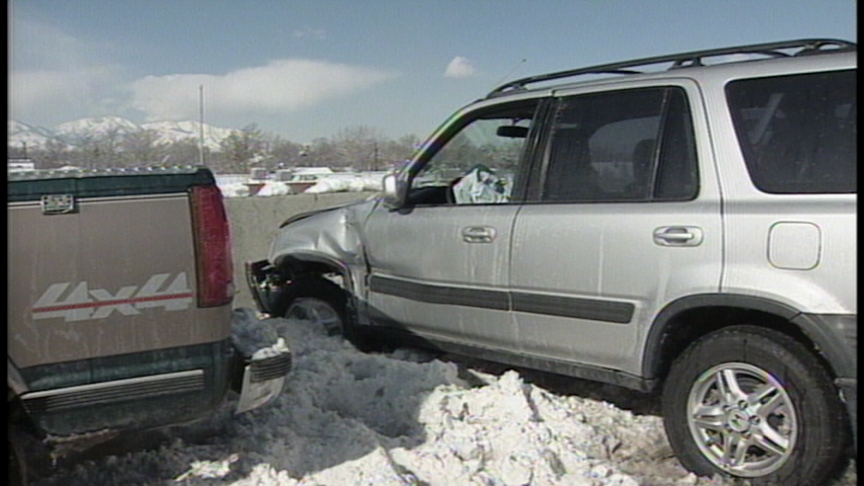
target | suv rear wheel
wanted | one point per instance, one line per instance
(753, 403)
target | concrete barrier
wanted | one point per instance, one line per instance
(255, 222)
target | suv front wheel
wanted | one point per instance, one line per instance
(316, 300)
(753, 403)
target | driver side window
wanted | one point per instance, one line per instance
(477, 164)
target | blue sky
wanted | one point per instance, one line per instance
(304, 69)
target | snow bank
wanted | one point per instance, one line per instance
(349, 183)
(404, 418)
(239, 185)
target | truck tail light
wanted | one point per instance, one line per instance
(212, 235)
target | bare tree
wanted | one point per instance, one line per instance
(110, 145)
(53, 155)
(357, 147)
(242, 148)
(141, 149)
(285, 154)
(180, 153)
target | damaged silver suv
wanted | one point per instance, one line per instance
(684, 224)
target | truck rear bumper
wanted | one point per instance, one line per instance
(155, 389)
(134, 391)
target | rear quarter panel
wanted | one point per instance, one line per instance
(795, 249)
(798, 250)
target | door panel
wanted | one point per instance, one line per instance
(622, 225)
(440, 266)
(433, 280)
(603, 264)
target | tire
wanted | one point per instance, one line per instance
(760, 389)
(29, 459)
(317, 300)
(17, 466)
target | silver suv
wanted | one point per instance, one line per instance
(683, 224)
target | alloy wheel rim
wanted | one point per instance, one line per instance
(742, 419)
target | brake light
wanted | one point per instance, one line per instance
(212, 236)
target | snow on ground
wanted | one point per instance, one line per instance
(407, 418)
(236, 185)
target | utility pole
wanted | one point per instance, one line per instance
(201, 124)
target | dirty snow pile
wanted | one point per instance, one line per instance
(403, 418)
(348, 183)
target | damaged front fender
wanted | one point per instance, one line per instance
(328, 235)
(322, 243)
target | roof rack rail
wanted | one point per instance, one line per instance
(687, 59)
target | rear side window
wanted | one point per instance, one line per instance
(798, 132)
(632, 145)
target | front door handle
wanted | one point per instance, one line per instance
(478, 234)
(678, 236)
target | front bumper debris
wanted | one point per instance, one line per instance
(262, 283)
(264, 376)
(264, 358)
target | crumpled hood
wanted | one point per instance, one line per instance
(304, 215)
(324, 234)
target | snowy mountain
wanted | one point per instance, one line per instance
(94, 128)
(79, 131)
(22, 134)
(173, 131)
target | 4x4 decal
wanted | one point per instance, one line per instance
(83, 303)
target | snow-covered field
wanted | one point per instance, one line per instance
(407, 418)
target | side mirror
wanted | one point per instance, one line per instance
(393, 190)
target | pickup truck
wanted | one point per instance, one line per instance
(120, 311)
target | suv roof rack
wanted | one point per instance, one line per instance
(688, 59)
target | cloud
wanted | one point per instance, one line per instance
(275, 88)
(42, 89)
(459, 67)
(38, 46)
(53, 75)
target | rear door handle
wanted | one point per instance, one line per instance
(678, 236)
(478, 234)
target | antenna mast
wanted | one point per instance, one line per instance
(515, 67)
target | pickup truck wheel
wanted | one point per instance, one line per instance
(753, 403)
(317, 300)
(29, 460)
(17, 466)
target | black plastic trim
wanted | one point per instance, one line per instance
(824, 330)
(595, 310)
(114, 392)
(486, 299)
(553, 305)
